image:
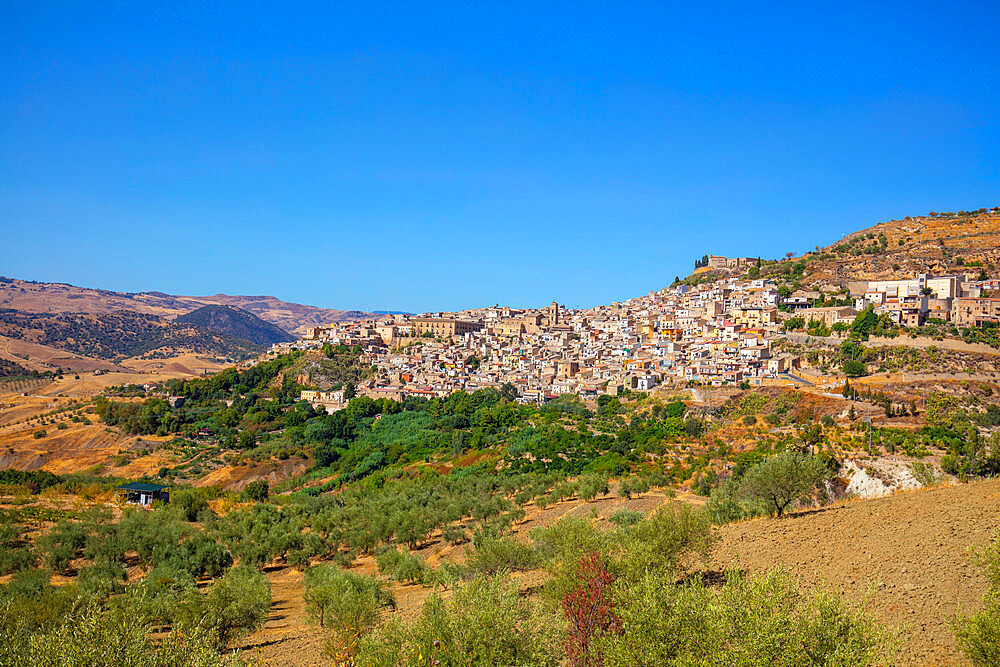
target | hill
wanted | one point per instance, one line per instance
(236, 322)
(46, 325)
(121, 334)
(38, 297)
(937, 243)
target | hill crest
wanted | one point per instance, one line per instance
(236, 322)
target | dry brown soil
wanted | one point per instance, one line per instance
(912, 548)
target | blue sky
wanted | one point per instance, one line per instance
(411, 157)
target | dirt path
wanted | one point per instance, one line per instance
(912, 547)
(287, 638)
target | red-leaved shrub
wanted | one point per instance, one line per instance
(589, 608)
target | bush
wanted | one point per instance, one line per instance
(493, 554)
(485, 623)
(624, 518)
(102, 579)
(160, 593)
(925, 474)
(255, 491)
(754, 621)
(189, 502)
(726, 504)
(400, 565)
(92, 638)
(590, 612)
(61, 545)
(664, 540)
(979, 634)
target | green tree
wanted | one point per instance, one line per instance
(255, 491)
(346, 601)
(235, 605)
(864, 323)
(485, 623)
(854, 369)
(784, 479)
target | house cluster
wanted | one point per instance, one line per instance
(961, 299)
(715, 333)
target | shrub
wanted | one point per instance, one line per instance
(62, 544)
(400, 565)
(189, 502)
(453, 534)
(92, 638)
(235, 605)
(255, 491)
(159, 594)
(979, 634)
(493, 554)
(485, 623)
(624, 517)
(590, 612)
(39, 434)
(754, 621)
(726, 504)
(662, 541)
(925, 474)
(102, 579)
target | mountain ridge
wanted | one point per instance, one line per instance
(52, 298)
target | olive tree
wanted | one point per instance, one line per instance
(235, 605)
(783, 479)
(345, 600)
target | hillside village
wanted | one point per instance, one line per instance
(715, 333)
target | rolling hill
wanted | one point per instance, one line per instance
(45, 325)
(936, 243)
(236, 322)
(51, 298)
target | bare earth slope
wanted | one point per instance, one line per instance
(912, 547)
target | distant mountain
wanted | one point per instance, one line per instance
(122, 334)
(236, 322)
(52, 298)
(60, 324)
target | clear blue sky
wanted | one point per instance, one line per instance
(420, 158)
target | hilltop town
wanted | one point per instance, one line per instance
(729, 329)
(419, 453)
